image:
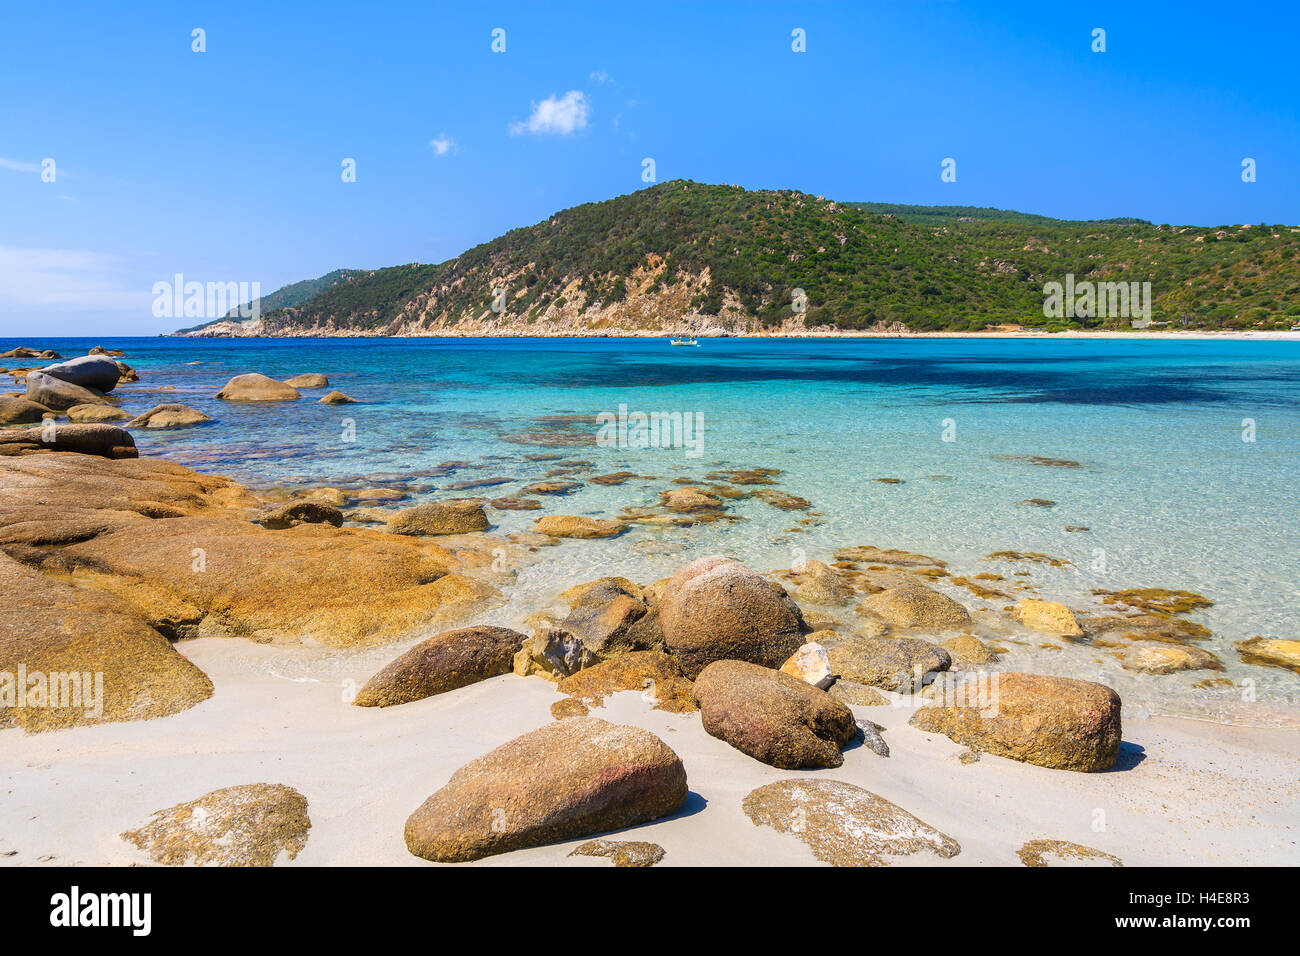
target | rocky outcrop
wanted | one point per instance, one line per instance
(453, 516)
(71, 656)
(572, 778)
(255, 387)
(1055, 722)
(716, 609)
(845, 825)
(772, 716)
(441, 663)
(250, 825)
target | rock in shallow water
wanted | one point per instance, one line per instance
(1055, 722)
(715, 609)
(249, 825)
(98, 372)
(772, 716)
(573, 778)
(891, 663)
(573, 526)
(59, 395)
(1049, 617)
(170, 415)
(453, 516)
(441, 663)
(916, 606)
(255, 387)
(845, 825)
(1260, 650)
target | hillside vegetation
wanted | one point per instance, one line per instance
(684, 255)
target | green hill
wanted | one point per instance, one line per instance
(288, 296)
(682, 255)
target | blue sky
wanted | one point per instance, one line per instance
(226, 165)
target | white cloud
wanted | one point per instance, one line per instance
(66, 279)
(556, 115)
(443, 145)
(600, 76)
(19, 167)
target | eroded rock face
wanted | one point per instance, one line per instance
(772, 716)
(453, 516)
(256, 387)
(916, 606)
(715, 609)
(572, 778)
(170, 415)
(892, 663)
(845, 825)
(441, 663)
(1055, 722)
(50, 631)
(179, 549)
(249, 825)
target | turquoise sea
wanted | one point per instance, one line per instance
(1189, 455)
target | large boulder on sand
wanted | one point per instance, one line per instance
(916, 606)
(255, 387)
(772, 716)
(59, 395)
(89, 371)
(441, 663)
(716, 609)
(1056, 722)
(893, 663)
(569, 779)
(453, 516)
(169, 415)
(248, 825)
(107, 441)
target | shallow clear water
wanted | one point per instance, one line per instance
(1171, 493)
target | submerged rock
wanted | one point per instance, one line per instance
(441, 663)
(914, 605)
(572, 778)
(845, 825)
(249, 825)
(1260, 650)
(1050, 617)
(772, 716)
(715, 608)
(1168, 659)
(337, 398)
(1055, 722)
(571, 526)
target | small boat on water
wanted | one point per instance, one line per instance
(684, 341)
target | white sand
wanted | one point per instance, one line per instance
(1201, 794)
